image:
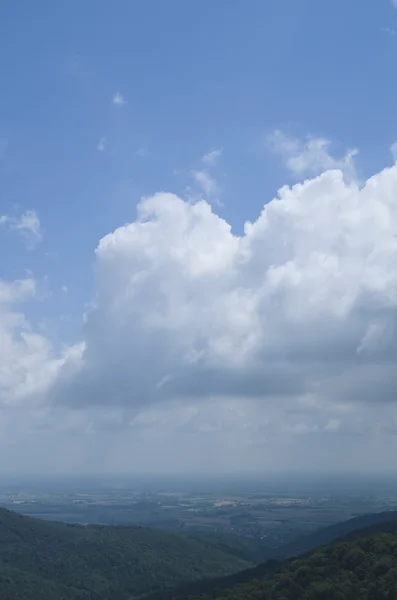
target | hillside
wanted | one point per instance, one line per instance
(325, 535)
(104, 561)
(58, 561)
(361, 567)
(252, 550)
(302, 545)
(20, 585)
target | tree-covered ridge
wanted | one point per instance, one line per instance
(363, 567)
(300, 546)
(326, 535)
(107, 562)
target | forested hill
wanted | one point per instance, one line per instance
(43, 559)
(302, 545)
(361, 567)
(59, 561)
(326, 535)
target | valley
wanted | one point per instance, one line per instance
(273, 512)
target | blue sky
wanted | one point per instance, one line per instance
(224, 102)
(196, 76)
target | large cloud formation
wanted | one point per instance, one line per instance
(292, 324)
(303, 304)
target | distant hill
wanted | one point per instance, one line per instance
(361, 567)
(326, 535)
(302, 545)
(59, 560)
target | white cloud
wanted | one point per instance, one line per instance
(16, 291)
(212, 157)
(119, 99)
(187, 309)
(310, 157)
(28, 224)
(27, 363)
(284, 336)
(64, 289)
(101, 145)
(206, 183)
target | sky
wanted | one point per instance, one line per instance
(198, 236)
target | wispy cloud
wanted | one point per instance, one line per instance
(212, 157)
(207, 184)
(393, 150)
(143, 152)
(389, 31)
(205, 180)
(101, 144)
(119, 99)
(311, 156)
(28, 225)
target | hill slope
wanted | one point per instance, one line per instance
(362, 567)
(105, 561)
(326, 535)
(303, 544)
(19, 585)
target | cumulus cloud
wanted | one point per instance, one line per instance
(309, 157)
(27, 224)
(28, 366)
(283, 334)
(302, 306)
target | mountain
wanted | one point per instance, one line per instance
(361, 567)
(59, 560)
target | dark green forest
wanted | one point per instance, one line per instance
(58, 561)
(274, 556)
(361, 567)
